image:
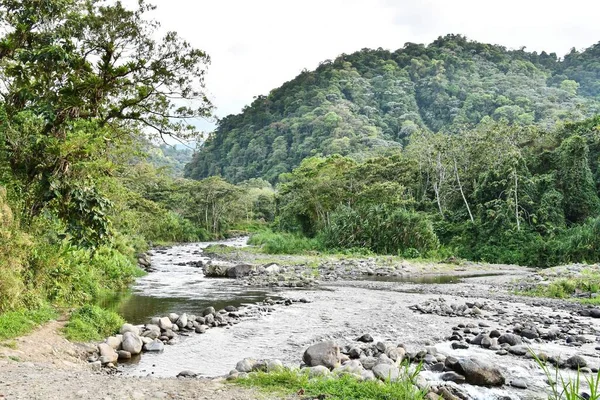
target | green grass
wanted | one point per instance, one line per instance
(288, 381)
(92, 323)
(19, 323)
(283, 243)
(567, 288)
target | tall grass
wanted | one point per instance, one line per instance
(92, 323)
(569, 389)
(283, 243)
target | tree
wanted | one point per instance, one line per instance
(79, 79)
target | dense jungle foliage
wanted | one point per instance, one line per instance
(457, 148)
(85, 92)
(370, 102)
(499, 193)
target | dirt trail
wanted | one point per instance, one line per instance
(45, 366)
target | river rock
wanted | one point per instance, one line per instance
(368, 362)
(187, 374)
(576, 362)
(518, 350)
(326, 354)
(152, 331)
(511, 339)
(208, 311)
(367, 375)
(129, 328)
(124, 355)
(114, 341)
(241, 270)
(479, 373)
(154, 346)
(595, 313)
(182, 321)
(386, 372)
(366, 338)
(452, 376)
(245, 365)
(165, 323)
(274, 365)
(318, 371)
(209, 320)
(518, 383)
(173, 317)
(201, 328)
(132, 343)
(107, 354)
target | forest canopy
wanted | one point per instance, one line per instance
(370, 102)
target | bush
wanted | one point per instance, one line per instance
(380, 229)
(92, 323)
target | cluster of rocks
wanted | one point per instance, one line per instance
(144, 262)
(367, 360)
(272, 275)
(152, 337)
(443, 308)
(518, 343)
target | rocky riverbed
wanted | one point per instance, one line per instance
(440, 314)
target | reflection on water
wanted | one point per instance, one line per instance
(180, 288)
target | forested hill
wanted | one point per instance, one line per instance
(371, 101)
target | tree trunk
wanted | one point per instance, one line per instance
(462, 192)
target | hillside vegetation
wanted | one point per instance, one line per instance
(370, 102)
(84, 89)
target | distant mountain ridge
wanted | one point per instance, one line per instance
(371, 101)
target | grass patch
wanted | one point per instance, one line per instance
(219, 249)
(19, 323)
(283, 243)
(570, 288)
(289, 381)
(92, 323)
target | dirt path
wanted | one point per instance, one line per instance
(45, 366)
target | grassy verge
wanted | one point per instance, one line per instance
(283, 243)
(92, 323)
(289, 381)
(570, 288)
(19, 323)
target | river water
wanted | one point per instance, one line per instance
(339, 312)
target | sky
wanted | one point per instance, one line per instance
(257, 45)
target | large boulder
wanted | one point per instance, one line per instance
(245, 365)
(511, 339)
(107, 354)
(165, 323)
(479, 373)
(129, 328)
(182, 321)
(132, 343)
(241, 270)
(326, 354)
(154, 346)
(216, 270)
(386, 372)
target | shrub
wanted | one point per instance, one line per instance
(92, 323)
(18, 323)
(380, 229)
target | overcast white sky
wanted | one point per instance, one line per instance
(256, 45)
